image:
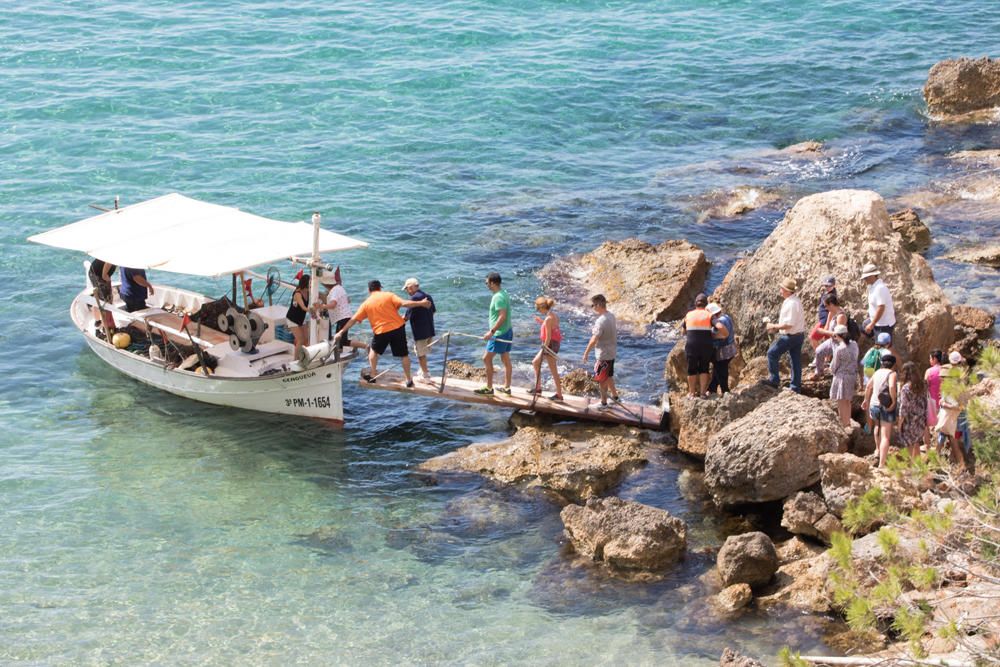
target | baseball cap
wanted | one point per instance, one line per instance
(883, 338)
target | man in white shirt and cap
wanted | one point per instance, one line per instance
(791, 327)
(337, 307)
(881, 313)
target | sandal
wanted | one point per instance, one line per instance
(366, 376)
(556, 397)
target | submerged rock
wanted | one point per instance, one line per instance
(747, 559)
(916, 236)
(837, 233)
(642, 282)
(625, 534)
(578, 381)
(736, 202)
(731, 658)
(989, 156)
(773, 451)
(733, 598)
(988, 255)
(575, 463)
(962, 86)
(694, 420)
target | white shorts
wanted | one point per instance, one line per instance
(421, 346)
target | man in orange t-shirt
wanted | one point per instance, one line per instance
(381, 309)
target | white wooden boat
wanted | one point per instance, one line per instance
(245, 367)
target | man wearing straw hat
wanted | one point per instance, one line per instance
(791, 327)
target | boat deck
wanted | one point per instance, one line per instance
(573, 407)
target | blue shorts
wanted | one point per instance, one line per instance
(880, 414)
(498, 347)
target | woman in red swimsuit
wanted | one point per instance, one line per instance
(551, 338)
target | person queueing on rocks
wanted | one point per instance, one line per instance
(952, 423)
(604, 341)
(932, 378)
(381, 309)
(835, 315)
(826, 290)
(844, 367)
(698, 346)
(881, 403)
(724, 348)
(881, 311)
(421, 324)
(872, 360)
(912, 421)
(791, 327)
(500, 338)
(551, 339)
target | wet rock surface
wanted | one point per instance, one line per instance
(988, 255)
(749, 559)
(916, 236)
(573, 462)
(836, 233)
(578, 381)
(694, 420)
(736, 202)
(731, 658)
(963, 85)
(643, 283)
(773, 451)
(624, 534)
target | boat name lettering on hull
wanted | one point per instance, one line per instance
(314, 402)
(299, 377)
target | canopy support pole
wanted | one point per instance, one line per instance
(313, 278)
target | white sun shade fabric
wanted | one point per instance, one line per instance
(183, 235)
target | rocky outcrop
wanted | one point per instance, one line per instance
(807, 514)
(733, 598)
(625, 534)
(916, 236)
(988, 255)
(675, 371)
(973, 326)
(465, 371)
(962, 86)
(694, 420)
(989, 156)
(749, 558)
(578, 381)
(575, 463)
(837, 233)
(736, 202)
(846, 477)
(731, 658)
(800, 584)
(773, 451)
(642, 282)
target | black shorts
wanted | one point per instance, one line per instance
(132, 306)
(344, 340)
(699, 358)
(395, 340)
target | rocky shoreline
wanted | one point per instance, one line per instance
(761, 447)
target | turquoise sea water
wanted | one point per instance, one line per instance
(458, 138)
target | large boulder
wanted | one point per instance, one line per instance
(575, 463)
(643, 283)
(846, 477)
(749, 558)
(694, 420)
(773, 451)
(916, 236)
(625, 534)
(836, 233)
(806, 513)
(973, 326)
(963, 85)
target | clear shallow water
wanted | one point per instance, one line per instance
(457, 138)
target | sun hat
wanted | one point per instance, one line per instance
(411, 281)
(869, 270)
(829, 280)
(714, 308)
(883, 338)
(789, 284)
(328, 279)
(955, 357)
(841, 330)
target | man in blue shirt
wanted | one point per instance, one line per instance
(134, 289)
(421, 323)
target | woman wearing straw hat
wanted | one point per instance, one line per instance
(791, 326)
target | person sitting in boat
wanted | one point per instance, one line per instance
(381, 309)
(296, 315)
(134, 289)
(100, 276)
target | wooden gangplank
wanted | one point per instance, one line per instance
(573, 407)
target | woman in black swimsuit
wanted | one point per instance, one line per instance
(296, 315)
(100, 276)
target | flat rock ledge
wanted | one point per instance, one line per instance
(643, 283)
(574, 463)
(625, 535)
(987, 255)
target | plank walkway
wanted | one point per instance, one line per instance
(573, 407)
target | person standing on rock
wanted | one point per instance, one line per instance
(698, 347)
(912, 422)
(500, 338)
(604, 342)
(827, 289)
(844, 367)
(881, 312)
(791, 327)
(835, 316)
(724, 342)
(932, 378)
(881, 403)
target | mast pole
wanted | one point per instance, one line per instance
(313, 279)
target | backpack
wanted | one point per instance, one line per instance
(853, 330)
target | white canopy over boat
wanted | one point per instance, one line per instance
(183, 235)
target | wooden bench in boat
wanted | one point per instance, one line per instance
(572, 407)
